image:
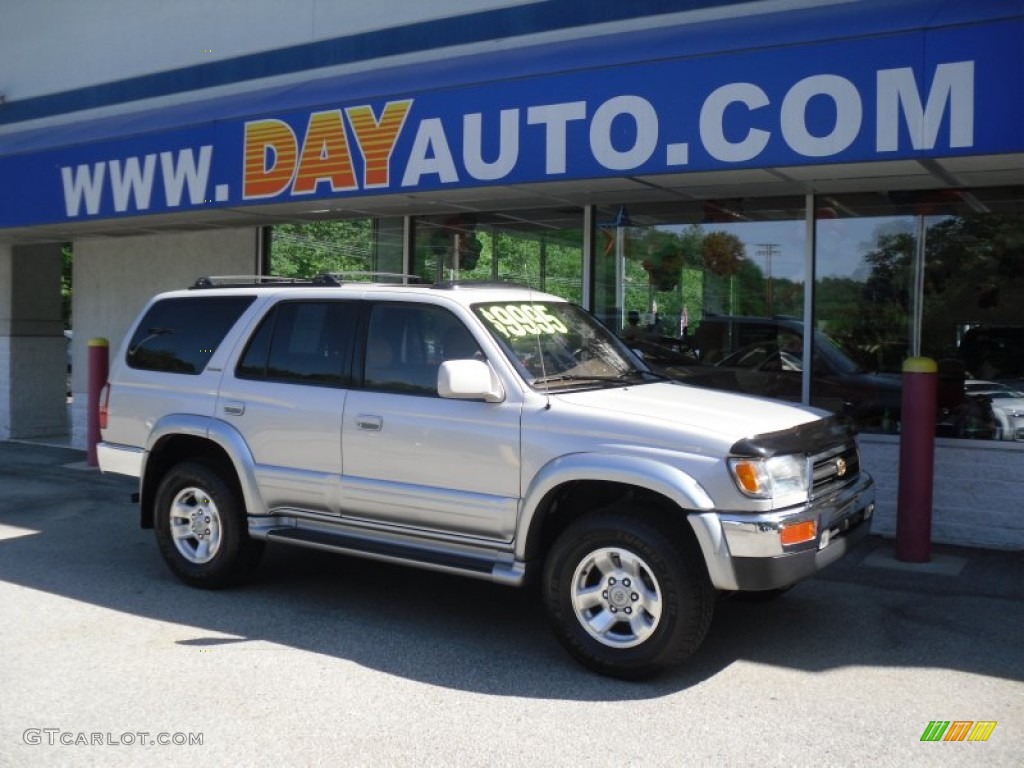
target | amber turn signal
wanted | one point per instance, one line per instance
(798, 533)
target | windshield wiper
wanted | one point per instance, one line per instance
(619, 378)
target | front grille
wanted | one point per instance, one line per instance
(834, 468)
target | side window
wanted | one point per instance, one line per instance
(302, 342)
(181, 335)
(406, 344)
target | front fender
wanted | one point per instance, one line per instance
(656, 476)
(225, 437)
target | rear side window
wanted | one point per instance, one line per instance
(302, 342)
(181, 335)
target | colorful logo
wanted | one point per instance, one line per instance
(958, 730)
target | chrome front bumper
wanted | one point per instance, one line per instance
(760, 560)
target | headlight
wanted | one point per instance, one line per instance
(770, 478)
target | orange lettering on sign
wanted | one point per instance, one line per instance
(270, 152)
(325, 155)
(376, 138)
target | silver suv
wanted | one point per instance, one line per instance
(486, 430)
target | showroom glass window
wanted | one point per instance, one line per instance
(710, 292)
(677, 263)
(542, 248)
(937, 273)
(310, 248)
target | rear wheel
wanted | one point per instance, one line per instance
(626, 597)
(201, 528)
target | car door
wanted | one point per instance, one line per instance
(286, 397)
(414, 459)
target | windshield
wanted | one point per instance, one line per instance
(784, 351)
(557, 345)
(837, 357)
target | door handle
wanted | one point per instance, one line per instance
(234, 408)
(369, 423)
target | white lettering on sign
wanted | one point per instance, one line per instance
(645, 121)
(430, 155)
(555, 118)
(339, 151)
(712, 123)
(181, 171)
(83, 184)
(849, 114)
(508, 146)
(132, 180)
(952, 86)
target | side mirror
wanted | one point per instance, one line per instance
(469, 380)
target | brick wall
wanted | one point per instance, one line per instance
(977, 496)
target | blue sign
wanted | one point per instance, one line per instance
(941, 93)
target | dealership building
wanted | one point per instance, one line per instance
(706, 176)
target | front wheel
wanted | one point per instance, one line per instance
(201, 528)
(627, 598)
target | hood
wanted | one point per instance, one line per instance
(696, 410)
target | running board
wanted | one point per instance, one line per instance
(508, 573)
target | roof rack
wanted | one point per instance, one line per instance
(340, 277)
(325, 279)
(235, 281)
(449, 285)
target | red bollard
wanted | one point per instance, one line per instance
(98, 366)
(917, 460)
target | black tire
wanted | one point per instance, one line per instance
(201, 528)
(602, 619)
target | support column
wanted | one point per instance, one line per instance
(33, 350)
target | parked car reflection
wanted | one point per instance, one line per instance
(1005, 404)
(770, 364)
(764, 356)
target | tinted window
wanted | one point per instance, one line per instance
(994, 352)
(305, 342)
(406, 344)
(181, 335)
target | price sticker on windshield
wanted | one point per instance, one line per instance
(518, 320)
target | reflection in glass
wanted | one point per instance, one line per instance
(353, 247)
(539, 248)
(670, 266)
(927, 273)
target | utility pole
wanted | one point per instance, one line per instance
(768, 250)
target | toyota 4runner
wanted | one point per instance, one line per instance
(485, 430)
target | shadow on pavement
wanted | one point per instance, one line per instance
(79, 538)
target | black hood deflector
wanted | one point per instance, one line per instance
(810, 438)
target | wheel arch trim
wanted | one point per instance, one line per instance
(221, 434)
(664, 479)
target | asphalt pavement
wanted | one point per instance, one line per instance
(333, 660)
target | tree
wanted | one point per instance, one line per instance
(972, 263)
(312, 248)
(724, 253)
